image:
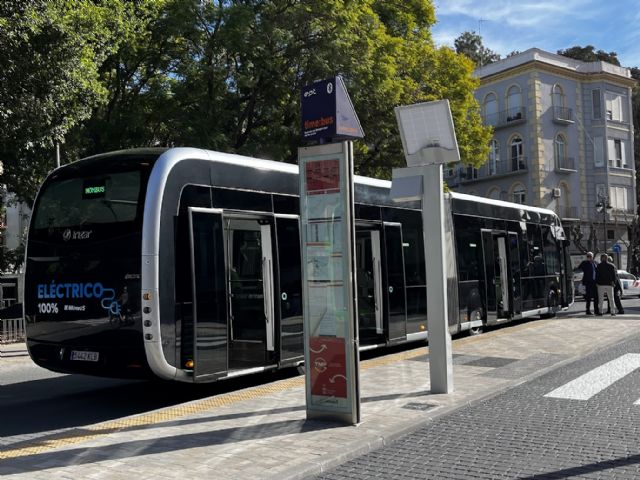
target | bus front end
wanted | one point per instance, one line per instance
(82, 279)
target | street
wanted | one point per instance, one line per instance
(35, 402)
(557, 425)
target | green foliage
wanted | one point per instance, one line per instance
(11, 260)
(589, 54)
(470, 44)
(49, 79)
(227, 76)
(223, 75)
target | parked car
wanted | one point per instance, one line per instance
(630, 284)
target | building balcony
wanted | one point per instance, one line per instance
(516, 165)
(567, 213)
(622, 214)
(565, 165)
(562, 115)
(506, 118)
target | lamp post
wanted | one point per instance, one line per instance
(601, 207)
(429, 141)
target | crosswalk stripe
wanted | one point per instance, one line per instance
(593, 382)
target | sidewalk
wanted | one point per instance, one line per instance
(262, 432)
(13, 350)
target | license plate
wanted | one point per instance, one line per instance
(84, 356)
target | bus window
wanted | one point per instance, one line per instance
(468, 243)
(534, 244)
(533, 281)
(551, 257)
(111, 198)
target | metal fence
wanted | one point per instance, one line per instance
(12, 330)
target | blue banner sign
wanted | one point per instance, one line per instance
(327, 112)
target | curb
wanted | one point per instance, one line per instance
(13, 350)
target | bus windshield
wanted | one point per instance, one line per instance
(108, 198)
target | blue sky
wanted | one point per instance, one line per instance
(550, 25)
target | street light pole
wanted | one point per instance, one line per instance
(602, 206)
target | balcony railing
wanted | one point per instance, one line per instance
(566, 164)
(506, 118)
(562, 115)
(567, 212)
(470, 174)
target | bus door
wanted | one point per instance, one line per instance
(290, 288)
(369, 284)
(395, 294)
(514, 262)
(209, 293)
(567, 271)
(250, 263)
(494, 247)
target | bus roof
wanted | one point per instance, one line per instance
(500, 203)
(291, 168)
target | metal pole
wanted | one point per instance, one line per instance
(604, 218)
(440, 355)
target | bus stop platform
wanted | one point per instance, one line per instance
(262, 432)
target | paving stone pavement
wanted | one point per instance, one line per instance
(262, 432)
(522, 434)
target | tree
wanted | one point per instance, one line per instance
(470, 44)
(48, 79)
(227, 76)
(589, 54)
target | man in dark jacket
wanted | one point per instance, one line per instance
(588, 268)
(605, 280)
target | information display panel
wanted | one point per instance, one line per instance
(331, 346)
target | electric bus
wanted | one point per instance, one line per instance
(184, 264)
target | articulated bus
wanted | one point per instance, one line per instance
(184, 264)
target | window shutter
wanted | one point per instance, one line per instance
(611, 150)
(617, 108)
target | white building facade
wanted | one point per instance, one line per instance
(563, 140)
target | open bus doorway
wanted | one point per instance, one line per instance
(251, 294)
(499, 298)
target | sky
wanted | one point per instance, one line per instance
(550, 25)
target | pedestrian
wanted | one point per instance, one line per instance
(617, 295)
(617, 292)
(605, 281)
(588, 268)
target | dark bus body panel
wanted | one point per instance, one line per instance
(82, 296)
(226, 298)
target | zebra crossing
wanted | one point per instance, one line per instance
(596, 380)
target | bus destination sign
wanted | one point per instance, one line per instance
(93, 189)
